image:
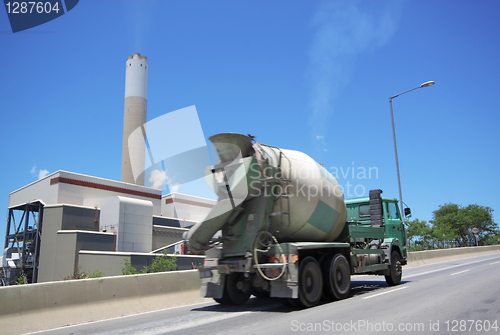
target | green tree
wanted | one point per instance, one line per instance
(490, 240)
(419, 235)
(452, 224)
(482, 218)
(445, 223)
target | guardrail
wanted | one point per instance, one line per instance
(440, 255)
(35, 307)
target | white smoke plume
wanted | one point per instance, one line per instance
(158, 178)
(140, 19)
(173, 187)
(344, 30)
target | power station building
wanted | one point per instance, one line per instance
(85, 223)
(67, 222)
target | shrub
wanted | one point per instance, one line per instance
(161, 263)
(83, 275)
(128, 269)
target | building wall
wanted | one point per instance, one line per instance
(40, 189)
(64, 187)
(52, 222)
(163, 236)
(65, 261)
(69, 244)
(66, 230)
(111, 263)
(172, 222)
(130, 219)
(135, 225)
(186, 207)
(109, 208)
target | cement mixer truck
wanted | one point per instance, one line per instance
(281, 228)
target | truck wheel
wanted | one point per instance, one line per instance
(395, 270)
(337, 277)
(234, 294)
(310, 282)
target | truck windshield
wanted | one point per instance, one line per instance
(393, 210)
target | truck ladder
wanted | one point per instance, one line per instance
(283, 195)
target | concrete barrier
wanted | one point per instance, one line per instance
(417, 258)
(35, 307)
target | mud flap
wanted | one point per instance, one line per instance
(213, 287)
(288, 285)
(387, 247)
(284, 289)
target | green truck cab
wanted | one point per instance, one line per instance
(358, 214)
(377, 236)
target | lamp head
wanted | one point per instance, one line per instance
(427, 84)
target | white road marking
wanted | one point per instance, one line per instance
(431, 271)
(494, 263)
(456, 273)
(396, 289)
(208, 303)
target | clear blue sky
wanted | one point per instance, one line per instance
(313, 76)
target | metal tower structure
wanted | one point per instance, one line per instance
(22, 242)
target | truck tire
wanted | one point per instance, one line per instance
(336, 277)
(232, 295)
(310, 282)
(395, 270)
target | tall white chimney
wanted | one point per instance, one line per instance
(136, 95)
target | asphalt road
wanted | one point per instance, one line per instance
(454, 297)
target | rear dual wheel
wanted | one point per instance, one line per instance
(310, 283)
(333, 279)
(336, 277)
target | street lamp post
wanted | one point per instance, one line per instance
(426, 84)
